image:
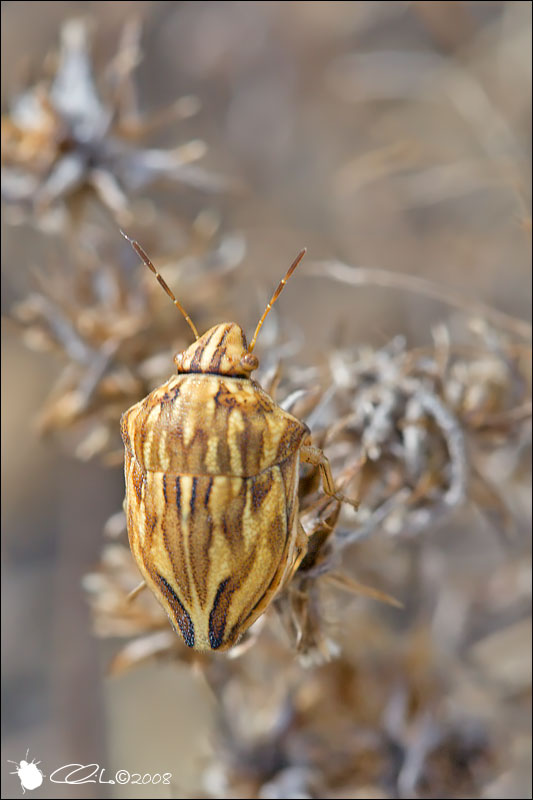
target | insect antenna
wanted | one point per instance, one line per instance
(140, 252)
(275, 296)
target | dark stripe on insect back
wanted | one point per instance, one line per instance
(289, 474)
(261, 486)
(165, 488)
(140, 428)
(208, 493)
(218, 635)
(193, 496)
(181, 616)
(137, 477)
(217, 617)
(219, 352)
(273, 584)
(233, 528)
(170, 527)
(196, 361)
(178, 496)
(150, 526)
(224, 398)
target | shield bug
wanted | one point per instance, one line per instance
(29, 774)
(212, 472)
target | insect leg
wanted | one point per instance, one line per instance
(301, 543)
(300, 550)
(314, 455)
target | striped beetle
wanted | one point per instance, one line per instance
(212, 472)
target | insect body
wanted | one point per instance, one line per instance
(29, 774)
(211, 469)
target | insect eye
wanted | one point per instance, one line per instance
(249, 362)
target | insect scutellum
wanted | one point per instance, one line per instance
(223, 349)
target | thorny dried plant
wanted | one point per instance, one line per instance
(111, 328)
(415, 432)
(298, 738)
(62, 144)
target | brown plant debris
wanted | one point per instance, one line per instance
(111, 326)
(62, 143)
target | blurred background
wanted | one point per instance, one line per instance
(385, 135)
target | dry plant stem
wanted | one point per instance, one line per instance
(354, 586)
(374, 521)
(368, 276)
(136, 592)
(455, 442)
(517, 414)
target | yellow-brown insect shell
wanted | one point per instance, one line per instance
(212, 470)
(220, 351)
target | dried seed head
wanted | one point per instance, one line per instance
(64, 145)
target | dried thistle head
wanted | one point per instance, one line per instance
(373, 727)
(62, 143)
(115, 332)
